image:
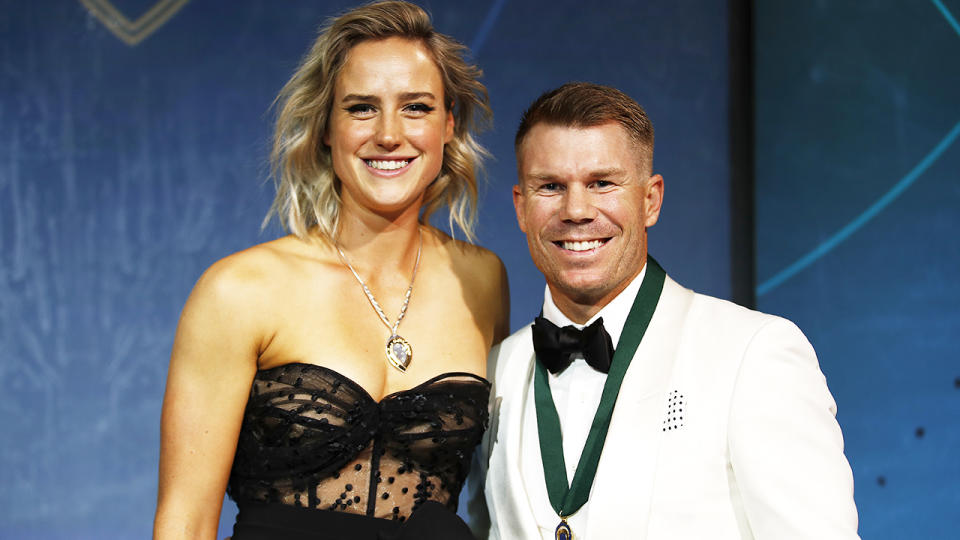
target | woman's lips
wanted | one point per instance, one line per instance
(388, 167)
(387, 164)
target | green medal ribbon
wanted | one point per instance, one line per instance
(568, 499)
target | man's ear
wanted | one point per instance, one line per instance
(518, 206)
(653, 200)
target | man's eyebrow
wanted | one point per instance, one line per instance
(598, 173)
(603, 173)
(542, 176)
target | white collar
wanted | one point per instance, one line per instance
(614, 314)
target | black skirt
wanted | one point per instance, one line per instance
(274, 521)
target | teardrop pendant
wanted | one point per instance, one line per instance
(399, 352)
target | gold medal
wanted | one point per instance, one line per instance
(563, 531)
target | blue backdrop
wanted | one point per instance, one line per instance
(858, 208)
(132, 155)
(133, 141)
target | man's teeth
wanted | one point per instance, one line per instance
(582, 246)
(386, 165)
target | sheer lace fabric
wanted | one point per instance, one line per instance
(311, 437)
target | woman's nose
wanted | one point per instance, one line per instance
(388, 133)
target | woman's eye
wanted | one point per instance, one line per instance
(418, 109)
(361, 109)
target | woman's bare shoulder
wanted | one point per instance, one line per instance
(253, 273)
(238, 296)
(486, 275)
(475, 260)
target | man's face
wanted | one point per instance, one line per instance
(584, 200)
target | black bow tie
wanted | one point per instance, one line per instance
(556, 347)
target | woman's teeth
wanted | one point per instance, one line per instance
(386, 165)
(581, 246)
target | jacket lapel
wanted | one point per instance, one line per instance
(626, 474)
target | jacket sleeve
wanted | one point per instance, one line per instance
(786, 448)
(473, 503)
(475, 512)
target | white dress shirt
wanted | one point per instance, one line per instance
(576, 394)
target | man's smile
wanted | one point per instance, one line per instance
(581, 245)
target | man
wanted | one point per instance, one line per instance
(713, 422)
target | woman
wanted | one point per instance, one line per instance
(346, 358)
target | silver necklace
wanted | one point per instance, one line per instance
(399, 352)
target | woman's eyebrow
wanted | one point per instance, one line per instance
(359, 97)
(408, 96)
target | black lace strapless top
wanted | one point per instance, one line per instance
(313, 438)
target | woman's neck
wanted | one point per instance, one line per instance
(371, 240)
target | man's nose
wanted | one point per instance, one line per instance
(578, 205)
(388, 134)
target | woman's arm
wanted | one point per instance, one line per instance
(212, 366)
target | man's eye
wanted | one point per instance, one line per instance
(602, 184)
(552, 186)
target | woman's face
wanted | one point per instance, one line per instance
(388, 126)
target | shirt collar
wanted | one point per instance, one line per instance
(614, 314)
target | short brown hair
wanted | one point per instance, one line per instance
(580, 105)
(308, 192)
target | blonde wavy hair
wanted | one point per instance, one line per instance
(308, 191)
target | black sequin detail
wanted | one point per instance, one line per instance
(311, 434)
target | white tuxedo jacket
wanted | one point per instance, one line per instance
(756, 451)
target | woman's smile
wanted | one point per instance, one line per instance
(387, 164)
(388, 167)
